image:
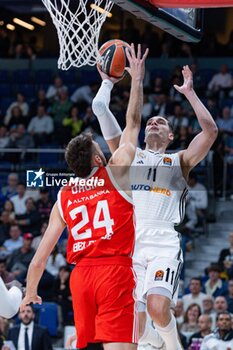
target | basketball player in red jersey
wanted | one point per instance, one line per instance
(100, 220)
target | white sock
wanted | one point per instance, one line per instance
(100, 106)
(170, 335)
(151, 336)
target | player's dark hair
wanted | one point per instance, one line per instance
(78, 154)
(171, 127)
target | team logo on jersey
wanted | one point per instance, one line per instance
(167, 161)
(159, 275)
(141, 155)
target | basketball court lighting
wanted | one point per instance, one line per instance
(99, 9)
(38, 21)
(10, 26)
(23, 23)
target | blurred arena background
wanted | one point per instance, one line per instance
(42, 107)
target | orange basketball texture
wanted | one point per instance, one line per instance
(113, 58)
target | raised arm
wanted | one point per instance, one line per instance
(124, 155)
(38, 263)
(100, 105)
(201, 144)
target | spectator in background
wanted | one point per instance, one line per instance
(160, 104)
(220, 304)
(158, 86)
(220, 82)
(28, 335)
(229, 297)
(225, 124)
(40, 100)
(146, 109)
(20, 138)
(36, 241)
(208, 309)
(173, 93)
(54, 262)
(15, 118)
(20, 258)
(225, 259)
(204, 324)
(11, 188)
(5, 223)
(214, 286)
(44, 204)
(179, 313)
(15, 241)
(10, 209)
(19, 200)
(21, 103)
(198, 80)
(90, 120)
(30, 221)
(4, 137)
(178, 119)
(6, 276)
(53, 90)
(191, 316)
(182, 139)
(212, 107)
(85, 94)
(60, 109)
(41, 127)
(61, 292)
(73, 123)
(222, 337)
(4, 324)
(199, 197)
(195, 296)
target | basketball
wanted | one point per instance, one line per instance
(113, 59)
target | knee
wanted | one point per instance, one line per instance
(158, 308)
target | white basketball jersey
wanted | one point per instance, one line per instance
(159, 188)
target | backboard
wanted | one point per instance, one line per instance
(183, 23)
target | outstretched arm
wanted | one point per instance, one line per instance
(124, 155)
(38, 263)
(201, 144)
(100, 105)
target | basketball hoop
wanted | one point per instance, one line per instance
(78, 26)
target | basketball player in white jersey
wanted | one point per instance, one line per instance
(9, 300)
(159, 191)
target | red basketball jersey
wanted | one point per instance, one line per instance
(100, 219)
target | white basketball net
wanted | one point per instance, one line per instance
(78, 27)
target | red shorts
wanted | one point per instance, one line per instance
(103, 302)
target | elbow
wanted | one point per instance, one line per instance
(99, 107)
(214, 132)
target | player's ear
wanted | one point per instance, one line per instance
(97, 160)
(171, 136)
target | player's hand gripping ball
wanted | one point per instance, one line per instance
(113, 59)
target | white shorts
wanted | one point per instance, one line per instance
(158, 261)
